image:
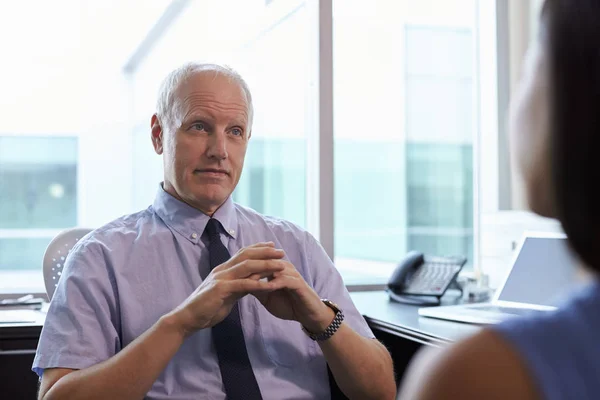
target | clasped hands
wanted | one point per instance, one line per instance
(284, 292)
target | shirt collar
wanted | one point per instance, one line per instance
(189, 221)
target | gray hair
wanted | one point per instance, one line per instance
(166, 103)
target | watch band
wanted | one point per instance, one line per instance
(333, 326)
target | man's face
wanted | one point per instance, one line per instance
(204, 148)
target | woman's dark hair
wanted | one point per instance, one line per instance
(570, 32)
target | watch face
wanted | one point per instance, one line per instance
(331, 304)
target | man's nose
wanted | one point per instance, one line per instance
(217, 145)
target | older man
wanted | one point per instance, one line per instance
(154, 306)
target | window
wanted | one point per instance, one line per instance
(403, 117)
(38, 193)
(412, 90)
(65, 134)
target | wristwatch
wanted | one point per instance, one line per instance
(333, 326)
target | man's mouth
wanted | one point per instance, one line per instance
(211, 171)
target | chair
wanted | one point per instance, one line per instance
(55, 255)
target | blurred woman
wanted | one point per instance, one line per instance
(555, 140)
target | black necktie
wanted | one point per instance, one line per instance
(228, 337)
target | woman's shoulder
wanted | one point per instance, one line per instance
(481, 366)
(550, 355)
(559, 348)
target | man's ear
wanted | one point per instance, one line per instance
(156, 132)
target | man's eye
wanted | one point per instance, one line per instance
(237, 132)
(199, 126)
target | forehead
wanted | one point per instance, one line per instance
(212, 93)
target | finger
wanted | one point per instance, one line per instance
(289, 269)
(262, 268)
(260, 244)
(283, 281)
(241, 287)
(258, 253)
(251, 253)
(259, 276)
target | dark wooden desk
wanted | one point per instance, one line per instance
(402, 330)
(18, 342)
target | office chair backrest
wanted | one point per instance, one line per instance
(55, 255)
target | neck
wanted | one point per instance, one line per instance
(207, 210)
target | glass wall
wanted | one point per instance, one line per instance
(65, 134)
(404, 114)
(38, 194)
(78, 93)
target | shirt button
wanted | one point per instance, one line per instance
(232, 232)
(194, 235)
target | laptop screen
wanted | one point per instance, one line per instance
(543, 273)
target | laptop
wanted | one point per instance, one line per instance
(543, 272)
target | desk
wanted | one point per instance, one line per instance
(402, 330)
(403, 320)
(18, 342)
(397, 325)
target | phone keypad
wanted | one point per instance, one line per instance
(431, 278)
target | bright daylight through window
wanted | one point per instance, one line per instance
(404, 117)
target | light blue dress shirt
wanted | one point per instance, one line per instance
(120, 279)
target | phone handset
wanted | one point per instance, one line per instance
(424, 279)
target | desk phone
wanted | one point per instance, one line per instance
(421, 275)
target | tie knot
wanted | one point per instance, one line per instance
(212, 228)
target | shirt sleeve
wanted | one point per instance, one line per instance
(81, 326)
(328, 284)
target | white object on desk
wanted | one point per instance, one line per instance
(18, 316)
